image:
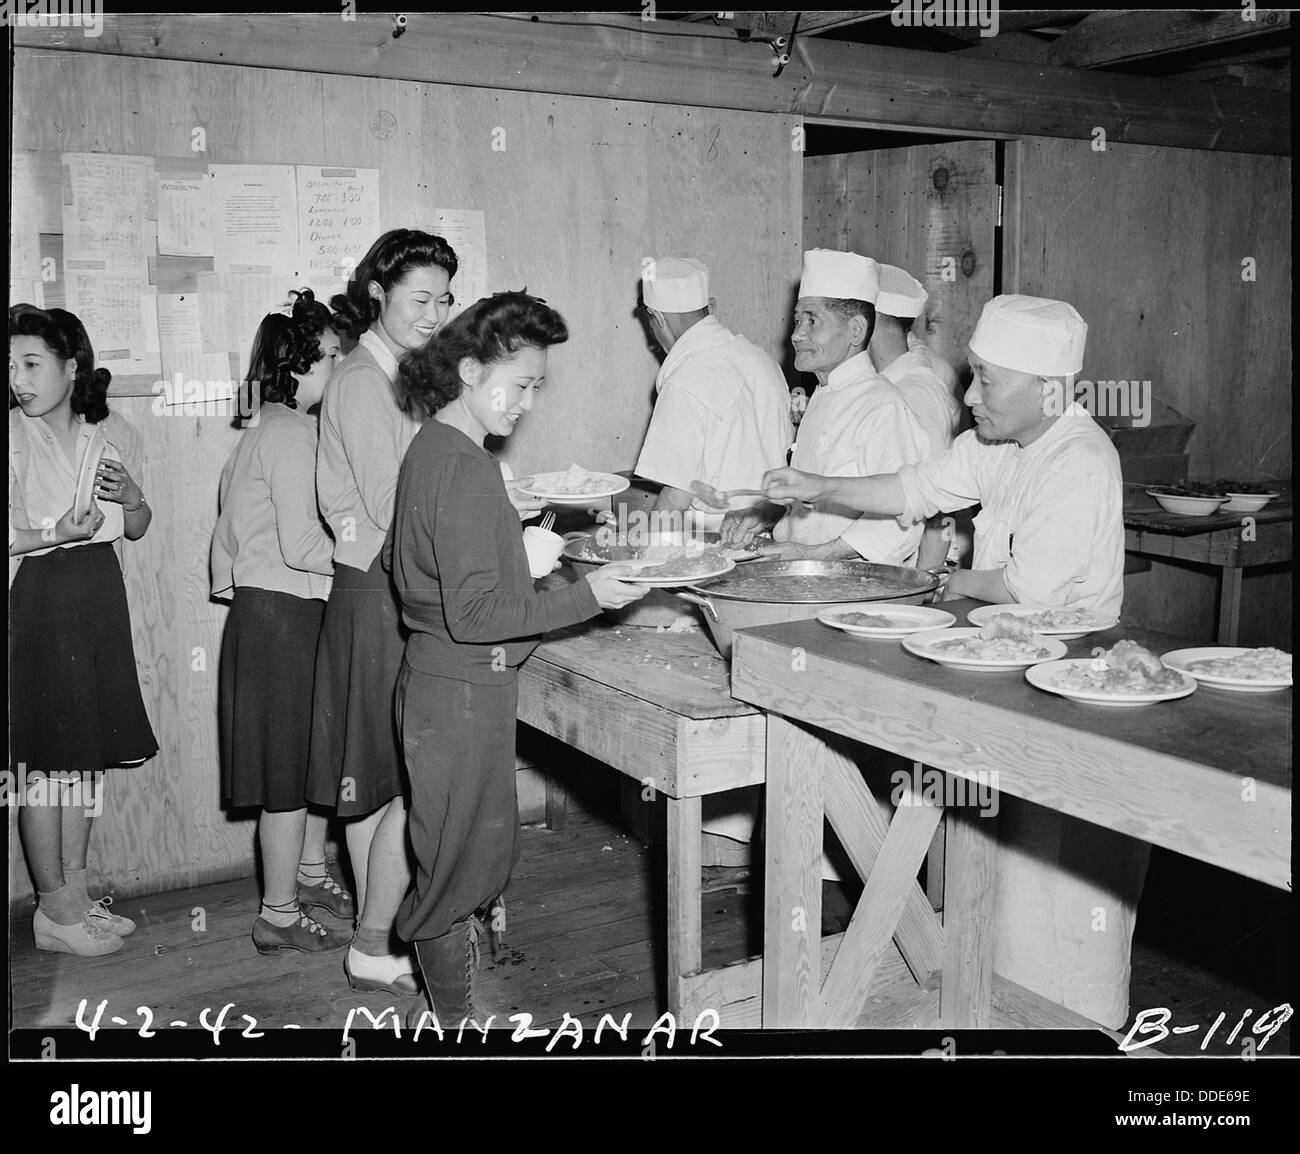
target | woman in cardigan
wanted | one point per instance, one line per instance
(395, 301)
(462, 576)
(271, 555)
(75, 705)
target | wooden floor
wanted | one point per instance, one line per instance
(583, 905)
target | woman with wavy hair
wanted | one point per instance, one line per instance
(74, 697)
(458, 561)
(396, 300)
(272, 557)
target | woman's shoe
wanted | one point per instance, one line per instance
(392, 973)
(306, 935)
(329, 895)
(85, 938)
(100, 915)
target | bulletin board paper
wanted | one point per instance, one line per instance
(184, 208)
(463, 229)
(338, 220)
(108, 204)
(254, 219)
(117, 306)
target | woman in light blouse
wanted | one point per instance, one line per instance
(396, 300)
(74, 699)
(272, 557)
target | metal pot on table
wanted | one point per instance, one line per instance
(739, 599)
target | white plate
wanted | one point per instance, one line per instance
(1044, 677)
(981, 616)
(86, 477)
(1186, 506)
(666, 582)
(1247, 502)
(1179, 660)
(920, 644)
(904, 619)
(549, 487)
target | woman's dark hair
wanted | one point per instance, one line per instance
(490, 331)
(65, 336)
(390, 258)
(284, 345)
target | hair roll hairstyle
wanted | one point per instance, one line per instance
(65, 336)
(490, 331)
(390, 258)
(284, 345)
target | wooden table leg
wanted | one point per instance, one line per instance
(792, 879)
(684, 840)
(557, 805)
(970, 874)
(1229, 605)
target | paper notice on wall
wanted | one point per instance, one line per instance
(254, 219)
(463, 229)
(108, 208)
(338, 220)
(180, 343)
(231, 308)
(118, 308)
(184, 214)
(24, 230)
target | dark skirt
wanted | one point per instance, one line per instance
(74, 693)
(268, 660)
(463, 818)
(356, 753)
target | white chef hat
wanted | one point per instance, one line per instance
(901, 294)
(840, 275)
(675, 284)
(1030, 335)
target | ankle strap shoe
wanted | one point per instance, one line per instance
(328, 895)
(306, 935)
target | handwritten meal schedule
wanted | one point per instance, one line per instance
(338, 219)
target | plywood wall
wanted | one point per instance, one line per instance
(580, 193)
(1148, 244)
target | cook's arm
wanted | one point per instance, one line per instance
(880, 493)
(985, 584)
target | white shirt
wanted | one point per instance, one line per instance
(722, 415)
(1051, 515)
(856, 424)
(929, 386)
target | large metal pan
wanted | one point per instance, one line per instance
(753, 594)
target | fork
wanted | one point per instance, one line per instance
(548, 521)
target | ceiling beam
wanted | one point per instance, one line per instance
(1020, 22)
(1117, 37)
(810, 23)
(616, 58)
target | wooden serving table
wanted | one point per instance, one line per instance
(1230, 541)
(1208, 776)
(658, 708)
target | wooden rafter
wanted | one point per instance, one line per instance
(1117, 37)
(1021, 22)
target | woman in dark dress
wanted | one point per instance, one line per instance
(462, 577)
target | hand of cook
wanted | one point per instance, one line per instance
(114, 483)
(611, 593)
(786, 484)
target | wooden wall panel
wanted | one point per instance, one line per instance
(915, 208)
(583, 190)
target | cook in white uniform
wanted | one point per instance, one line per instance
(927, 381)
(1050, 532)
(857, 422)
(723, 410)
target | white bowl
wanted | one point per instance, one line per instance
(1187, 506)
(1247, 502)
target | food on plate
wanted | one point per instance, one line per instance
(795, 587)
(1261, 664)
(1002, 638)
(681, 562)
(1190, 489)
(1053, 618)
(867, 620)
(579, 482)
(1126, 668)
(1258, 487)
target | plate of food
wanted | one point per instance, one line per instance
(1242, 670)
(1126, 674)
(663, 566)
(1063, 624)
(884, 622)
(1005, 643)
(1245, 496)
(1190, 499)
(85, 492)
(574, 486)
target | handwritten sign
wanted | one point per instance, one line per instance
(338, 220)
